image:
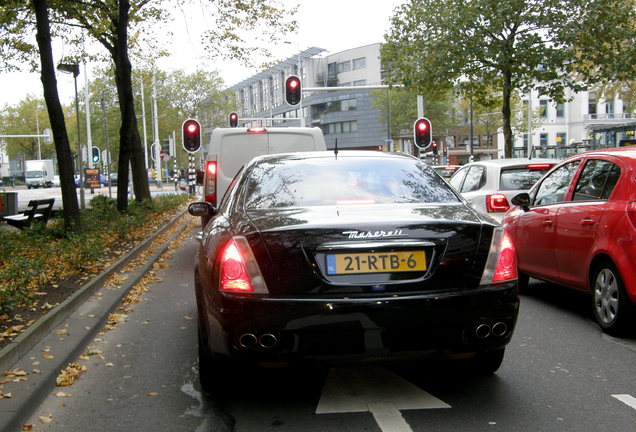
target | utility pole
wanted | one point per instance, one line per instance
(157, 145)
(87, 106)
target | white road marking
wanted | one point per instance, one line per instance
(376, 390)
(626, 399)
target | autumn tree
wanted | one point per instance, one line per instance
(402, 106)
(516, 45)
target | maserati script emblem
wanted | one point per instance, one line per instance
(373, 234)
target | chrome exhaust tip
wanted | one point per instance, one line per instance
(482, 331)
(267, 340)
(247, 340)
(499, 329)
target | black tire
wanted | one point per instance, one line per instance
(613, 310)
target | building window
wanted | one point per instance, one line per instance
(360, 82)
(344, 66)
(342, 127)
(349, 105)
(525, 140)
(560, 110)
(561, 139)
(592, 98)
(360, 63)
(543, 140)
(543, 104)
(609, 109)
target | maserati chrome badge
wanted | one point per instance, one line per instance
(373, 234)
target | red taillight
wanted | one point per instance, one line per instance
(233, 273)
(209, 188)
(539, 167)
(506, 268)
(257, 129)
(631, 212)
(496, 203)
(211, 168)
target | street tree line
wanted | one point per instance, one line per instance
(486, 48)
(125, 30)
(179, 95)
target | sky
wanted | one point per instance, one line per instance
(334, 25)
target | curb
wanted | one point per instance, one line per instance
(87, 314)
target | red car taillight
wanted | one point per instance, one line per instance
(501, 265)
(239, 270)
(496, 203)
(209, 191)
(233, 272)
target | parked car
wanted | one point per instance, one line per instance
(351, 256)
(113, 178)
(577, 227)
(490, 185)
(103, 180)
(56, 181)
(446, 171)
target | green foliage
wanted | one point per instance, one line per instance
(512, 46)
(35, 258)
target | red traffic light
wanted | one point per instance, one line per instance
(233, 119)
(422, 133)
(191, 135)
(293, 91)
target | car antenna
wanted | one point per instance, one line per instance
(335, 149)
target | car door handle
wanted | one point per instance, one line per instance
(587, 222)
(547, 223)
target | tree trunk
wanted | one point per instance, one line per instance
(56, 116)
(506, 112)
(130, 150)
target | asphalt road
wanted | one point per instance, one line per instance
(560, 373)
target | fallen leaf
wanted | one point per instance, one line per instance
(27, 427)
(47, 356)
(15, 373)
(69, 374)
(62, 394)
(151, 394)
(61, 332)
(46, 419)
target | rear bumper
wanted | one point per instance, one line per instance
(382, 328)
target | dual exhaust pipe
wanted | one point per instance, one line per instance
(484, 331)
(251, 340)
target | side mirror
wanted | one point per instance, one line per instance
(522, 200)
(200, 174)
(202, 209)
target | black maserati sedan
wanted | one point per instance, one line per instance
(350, 256)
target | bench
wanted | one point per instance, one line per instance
(37, 210)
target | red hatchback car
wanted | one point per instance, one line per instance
(577, 227)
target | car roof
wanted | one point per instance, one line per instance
(331, 154)
(513, 161)
(628, 152)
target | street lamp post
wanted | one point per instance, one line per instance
(74, 69)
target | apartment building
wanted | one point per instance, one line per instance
(346, 116)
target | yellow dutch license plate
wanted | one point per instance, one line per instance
(376, 262)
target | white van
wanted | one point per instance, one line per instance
(231, 148)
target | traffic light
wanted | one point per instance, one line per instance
(435, 152)
(191, 133)
(293, 92)
(95, 154)
(422, 133)
(233, 119)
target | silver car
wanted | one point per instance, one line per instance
(490, 185)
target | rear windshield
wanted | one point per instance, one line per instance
(344, 181)
(521, 178)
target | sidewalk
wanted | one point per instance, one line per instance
(56, 339)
